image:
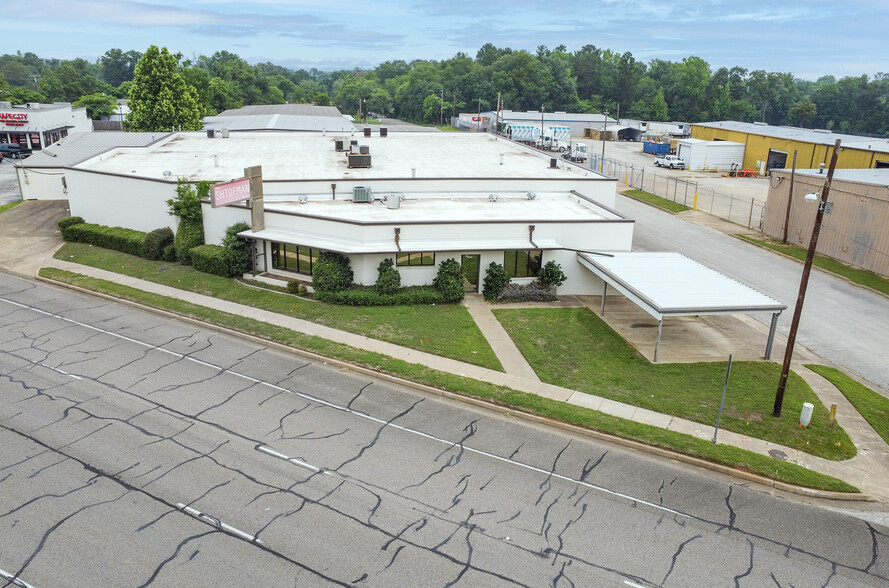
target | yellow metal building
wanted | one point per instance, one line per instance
(769, 147)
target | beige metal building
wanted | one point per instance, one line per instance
(856, 230)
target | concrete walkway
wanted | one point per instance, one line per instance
(869, 470)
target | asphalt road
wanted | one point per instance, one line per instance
(842, 323)
(136, 449)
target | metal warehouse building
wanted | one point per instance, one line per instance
(771, 147)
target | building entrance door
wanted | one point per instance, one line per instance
(470, 265)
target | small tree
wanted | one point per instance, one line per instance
(449, 280)
(551, 275)
(237, 249)
(332, 272)
(187, 206)
(495, 280)
(160, 98)
(389, 278)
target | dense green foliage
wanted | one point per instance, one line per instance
(189, 234)
(332, 272)
(160, 98)
(388, 277)
(68, 221)
(495, 280)
(157, 241)
(116, 238)
(449, 280)
(187, 206)
(551, 275)
(211, 259)
(590, 79)
(237, 249)
(533, 292)
(370, 296)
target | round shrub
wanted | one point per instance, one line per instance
(449, 281)
(68, 221)
(169, 253)
(551, 275)
(332, 272)
(157, 241)
(237, 250)
(495, 280)
(389, 279)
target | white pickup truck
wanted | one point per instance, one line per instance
(671, 161)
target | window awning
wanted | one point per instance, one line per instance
(670, 284)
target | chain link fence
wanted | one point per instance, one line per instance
(743, 211)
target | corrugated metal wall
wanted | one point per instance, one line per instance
(856, 231)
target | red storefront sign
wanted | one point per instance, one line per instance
(14, 119)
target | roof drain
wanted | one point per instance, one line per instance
(398, 238)
(531, 236)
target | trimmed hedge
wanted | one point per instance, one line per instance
(211, 259)
(66, 222)
(332, 272)
(117, 238)
(157, 241)
(190, 234)
(369, 296)
(533, 292)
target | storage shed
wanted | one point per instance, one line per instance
(717, 156)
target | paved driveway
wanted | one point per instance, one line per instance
(29, 234)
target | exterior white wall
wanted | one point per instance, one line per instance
(119, 201)
(700, 155)
(217, 220)
(42, 184)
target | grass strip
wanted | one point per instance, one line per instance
(499, 395)
(447, 330)
(574, 348)
(859, 276)
(873, 406)
(6, 207)
(656, 200)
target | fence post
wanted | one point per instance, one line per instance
(731, 200)
(685, 197)
(750, 218)
(712, 198)
(642, 187)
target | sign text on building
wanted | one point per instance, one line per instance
(14, 119)
(228, 193)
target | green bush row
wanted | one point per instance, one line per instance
(210, 259)
(370, 296)
(154, 245)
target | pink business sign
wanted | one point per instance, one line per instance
(236, 191)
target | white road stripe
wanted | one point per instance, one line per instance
(358, 414)
(14, 580)
(217, 523)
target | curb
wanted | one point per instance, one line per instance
(486, 405)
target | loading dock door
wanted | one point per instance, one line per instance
(777, 159)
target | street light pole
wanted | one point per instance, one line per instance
(804, 282)
(604, 129)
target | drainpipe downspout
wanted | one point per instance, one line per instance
(531, 236)
(398, 238)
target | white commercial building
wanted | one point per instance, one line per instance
(36, 126)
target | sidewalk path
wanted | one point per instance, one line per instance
(869, 470)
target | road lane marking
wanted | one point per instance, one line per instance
(549, 473)
(14, 580)
(217, 523)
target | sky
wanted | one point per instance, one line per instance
(806, 38)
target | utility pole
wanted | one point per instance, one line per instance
(604, 129)
(479, 126)
(541, 125)
(441, 111)
(497, 128)
(804, 282)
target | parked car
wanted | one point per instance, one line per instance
(14, 151)
(671, 161)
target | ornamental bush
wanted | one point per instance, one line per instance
(210, 259)
(533, 292)
(332, 272)
(237, 249)
(551, 275)
(117, 238)
(370, 296)
(157, 241)
(449, 281)
(495, 280)
(189, 235)
(66, 222)
(389, 278)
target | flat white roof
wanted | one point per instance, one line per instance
(312, 156)
(670, 284)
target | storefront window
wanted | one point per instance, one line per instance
(35, 141)
(522, 263)
(294, 258)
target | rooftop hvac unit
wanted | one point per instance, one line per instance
(225, 133)
(359, 160)
(384, 131)
(393, 201)
(364, 149)
(367, 131)
(338, 145)
(362, 194)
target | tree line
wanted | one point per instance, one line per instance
(590, 79)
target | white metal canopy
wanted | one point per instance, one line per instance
(670, 284)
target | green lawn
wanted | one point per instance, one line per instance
(6, 207)
(656, 200)
(874, 407)
(502, 396)
(445, 329)
(574, 348)
(859, 276)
